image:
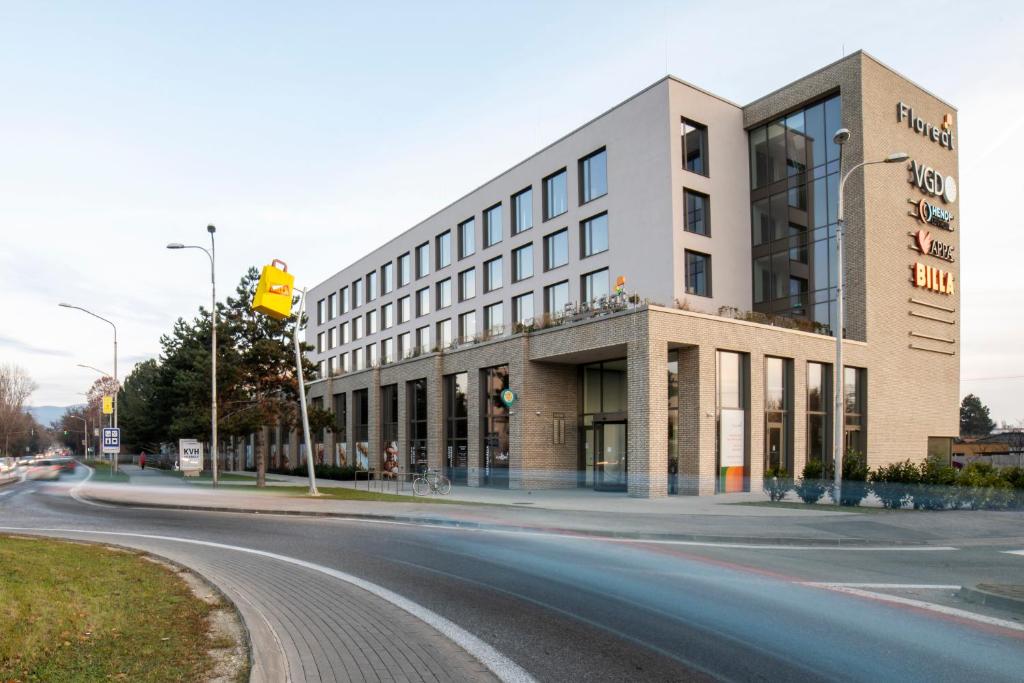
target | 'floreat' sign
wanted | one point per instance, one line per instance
(942, 134)
(935, 279)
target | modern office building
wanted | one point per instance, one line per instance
(657, 290)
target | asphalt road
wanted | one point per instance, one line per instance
(562, 608)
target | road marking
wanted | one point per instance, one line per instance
(921, 604)
(1014, 552)
(894, 586)
(74, 490)
(500, 665)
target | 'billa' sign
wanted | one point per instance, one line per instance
(929, 277)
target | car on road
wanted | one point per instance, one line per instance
(44, 469)
(67, 464)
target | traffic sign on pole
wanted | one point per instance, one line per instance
(111, 440)
(108, 405)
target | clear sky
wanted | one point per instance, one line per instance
(315, 131)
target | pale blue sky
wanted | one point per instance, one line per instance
(315, 131)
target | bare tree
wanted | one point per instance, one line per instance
(15, 387)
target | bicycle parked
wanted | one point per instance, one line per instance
(431, 481)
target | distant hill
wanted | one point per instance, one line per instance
(46, 415)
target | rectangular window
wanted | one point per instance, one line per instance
(371, 286)
(404, 269)
(330, 366)
(556, 296)
(332, 306)
(556, 198)
(733, 389)
(346, 334)
(357, 294)
(698, 273)
(522, 211)
(593, 176)
(444, 293)
(556, 249)
(594, 235)
(371, 322)
(344, 303)
(422, 302)
(522, 309)
(493, 274)
(340, 419)
(444, 333)
(358, 360)
(387, 316)
(444, 250)
(361, 428)
(697, 213)
(387, 351)
(594, 285)
(343, 362)
(423, 339)
(778, 431)
(320, 345)
(467, 326)
(819, 414)
(492, 226)
(494, 318)
(321, 369)
(467, 238)
(371, 355)
(456, 413)
(387, 278)
(417, 429)
(423, 260)
(404, 313)
(694, 139)
(405, 347)
(357, 327)
(321, 309)
(855, 402)
(332, 337)
(389, 429)
(467, 284)
(522, 263)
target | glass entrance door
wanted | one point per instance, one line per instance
(610, 456)
(776, 447)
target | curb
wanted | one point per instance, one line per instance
(983, 597)
(781, 541)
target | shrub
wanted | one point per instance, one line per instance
(777, 483)
(935, 490)
(892, 483)
(855, 474)
(1014, 476)
(979, 486)
(812, 487)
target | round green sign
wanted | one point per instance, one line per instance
(508, 397)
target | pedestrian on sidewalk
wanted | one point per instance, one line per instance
(142, 460)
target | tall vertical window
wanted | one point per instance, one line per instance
(522, 309)
(387, 316)
(422, 302)
(444, 333)
(467, 238)
(358, 359)
(556, 296)
(522, 262)
(361, 428)
(340, 427)
(423, 260)
(371, 322)
(346, 334)
(696, 212)
(493, 274)
(321, 308)
(405, 347)
(444, 249)
(694, 139)
(416, 407)
(423, 339)
(733, 391)
(855, 402)
(492, 225)
(387, 278)
(371, 356)
(594, 285)
(332, 306)
(456, 431)
(344, 364)
(556, 198)
(444, 293)
(387, 351)
(494, 318)
(320, 345)
(357, 327)
(389, 427)
(778, 447)
(522, 211)
(404, 313)
(371, 285)
(467, 326)
(819, 414)
(593, 176)
(344, 300)
(467, 284)
(495, 431)
(594, 235)
(698, 273)
(357, 294)
(404, 269)
(556, 249)
(332, 337)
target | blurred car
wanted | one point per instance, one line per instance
(67, 464)
(44, 469)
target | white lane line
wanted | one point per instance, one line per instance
(921, 604)
(74, 490)
(500, 665)
(1014, 552)
(894, 586)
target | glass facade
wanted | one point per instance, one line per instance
(604, 461)
(417, 410)
(494, 427)
(456, 422)
(794, 168)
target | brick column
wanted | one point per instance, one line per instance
(648, 416)
(474, 476)
(435, 414)
(403, 424)
(373, 445)
(798, 416)
(755, 420)
(517, 378)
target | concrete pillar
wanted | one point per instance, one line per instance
(647, 441)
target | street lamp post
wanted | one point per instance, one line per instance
(116, 386)
(85, 434)
(102, 372)
(211, 253)
(841, 137)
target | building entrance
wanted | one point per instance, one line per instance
(611, 459)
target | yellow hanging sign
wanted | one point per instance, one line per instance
(108, 405)
(274, 291)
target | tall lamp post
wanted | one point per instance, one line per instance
(841, 137)
(211, 253)
(116, 386)
(85, 434)
(102, 372)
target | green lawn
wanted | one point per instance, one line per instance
(821, 507)
(207, 478)
(104, 474)
(74, 612)
(338, 493)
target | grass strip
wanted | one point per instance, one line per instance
(80, 612)
(104, 474)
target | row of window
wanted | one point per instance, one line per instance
(593, 183)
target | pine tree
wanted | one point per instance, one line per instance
(974, 417)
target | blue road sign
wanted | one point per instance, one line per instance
(111, 439)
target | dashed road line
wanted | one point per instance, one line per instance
(1014, 552)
